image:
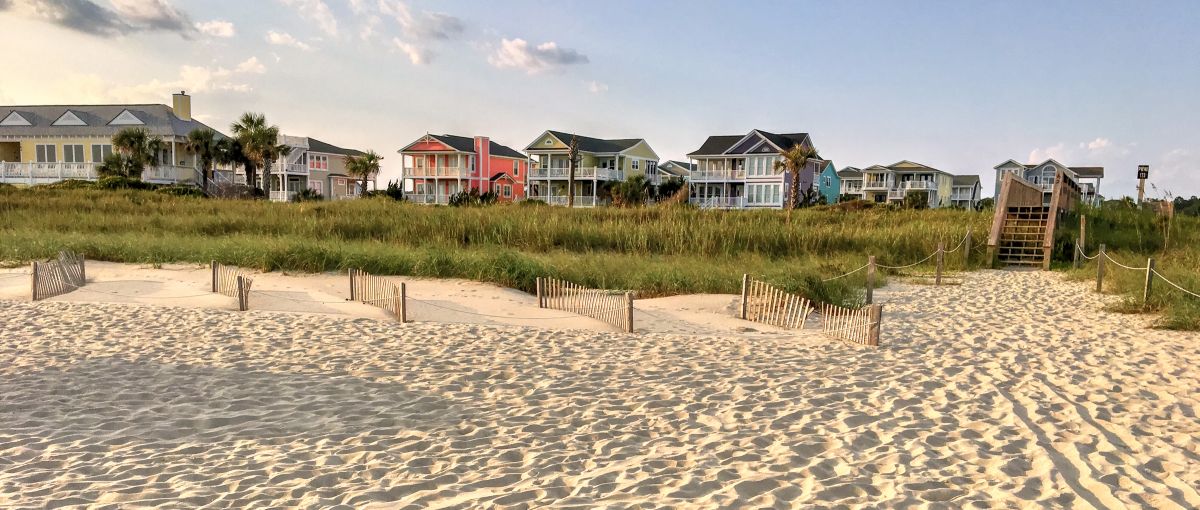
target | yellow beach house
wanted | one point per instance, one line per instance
(601, 162)
(46, 144)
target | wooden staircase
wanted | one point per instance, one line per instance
(1023, 236)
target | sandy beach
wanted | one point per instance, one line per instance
(1012, 390)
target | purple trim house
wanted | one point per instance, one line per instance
(738, 171)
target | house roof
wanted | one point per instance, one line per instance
(721, 144)
(1088, 171)
(467, 144)
(966, 180)
(501, 175)
(593, 145)
(315, 145)
(850, 172)
(97, 120)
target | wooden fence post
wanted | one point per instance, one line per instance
(875, 319)
(1100, 270)
(745, 296)
(243, 303)
(1079, 243)
(212, 265)
(941, 260)
(82, 269)
(541, 300)
(967, 251)
(629, 312)
(350, 273)
(870, 279)
(33, 281)
(403, 303)
(1149, 282)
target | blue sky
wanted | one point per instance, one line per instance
(961, 86)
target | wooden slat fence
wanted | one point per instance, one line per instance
(57, 276)
(381, 292)
(609, 306)
(860, 326)
(232, 282)
(764, 303)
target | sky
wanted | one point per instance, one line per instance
(957, 85)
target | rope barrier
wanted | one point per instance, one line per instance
(864, 266)
(960, 244)
(1085, 256)
(922, 261)
(1173, 284)
(1110, 259)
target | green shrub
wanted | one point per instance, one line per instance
(181, 190)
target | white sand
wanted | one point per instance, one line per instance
(1012, 390)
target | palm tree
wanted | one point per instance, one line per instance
(260, 144)
(230, 152)
(364, 167)
(794, 160)
(203, 144)
(572, 164)
(138, 148)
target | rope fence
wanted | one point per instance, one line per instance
(57, 276)
(612, 307)
(939, 272)
(1102, 259)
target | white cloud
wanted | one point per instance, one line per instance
(1097, 144)
(596, 87)
(216, 28)
(316, 11)
(1058, 152)
(415, 54)
(252, 66)
(518, 54)
(124, 17)
(286, 39)
(424, 26)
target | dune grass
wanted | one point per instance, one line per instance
(656, 251)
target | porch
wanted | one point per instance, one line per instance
(48, 173)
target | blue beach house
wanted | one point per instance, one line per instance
(829, 185)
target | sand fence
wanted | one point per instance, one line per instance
(766, 304)
(58, 276)
(232, 282)
(381, 292)
(609, 306)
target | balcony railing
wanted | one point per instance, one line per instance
(428, 198)
(291, 168)
(44, 173)
(918, 185)
(718, 175)
(604, 174)
(720, 202)
(282, 196)
(455, 172)
(877, 184)
(562, 200)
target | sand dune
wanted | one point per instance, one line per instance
(1011, 390)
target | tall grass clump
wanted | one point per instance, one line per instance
(654, 250)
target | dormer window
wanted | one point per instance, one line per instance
(126, 118)
(15, 119)
(69, 119)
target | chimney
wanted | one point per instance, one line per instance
(483, 156)
(181, 104)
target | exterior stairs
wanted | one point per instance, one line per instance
(1023, 235)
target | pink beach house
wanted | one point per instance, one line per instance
(438, 166)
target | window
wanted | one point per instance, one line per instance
(516, 168)
(72, 154)
(507, 190)
(318, 162)
(341, 182)
(635, 164)
(47, 154)
(317, 186)
(549, 142)
(828, 181)
(651, 166)
(100, 152)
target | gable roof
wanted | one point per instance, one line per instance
(677, 168)
(158, 119)
(1088, 171)
(850, 172)
(315, 145)
(966, 180)
(589, 144)
(721, 144)
(467, 144)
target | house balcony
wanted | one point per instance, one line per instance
(448, 172)
(897, 194)
(717, 175)
(961, 197)
(720, 202)
(428, 199)
(282, 196)
(290, 168)
(918, 185)
(877, 185)
(580, 201)
(46, 173)
(589, 173)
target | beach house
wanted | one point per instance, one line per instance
(309, 164)
(602, 162)
(673, 169)
(738, 171)
(851, 182)
(438, 166)
(966, 191)
(892, 183)
(1043, 175)
(45, 144)
(829, 184)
